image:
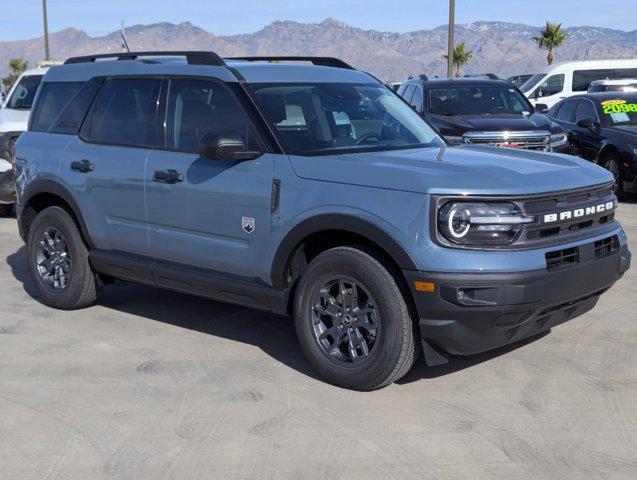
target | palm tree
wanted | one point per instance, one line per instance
(461, 57)
(550, 38)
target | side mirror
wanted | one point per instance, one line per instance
(537, 94)
(588, 123)
(541, 107)
(224, 146)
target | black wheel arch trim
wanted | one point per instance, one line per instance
(54, 188)
(335, 221)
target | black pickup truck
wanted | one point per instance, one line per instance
(485, 112)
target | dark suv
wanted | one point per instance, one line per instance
(485, 112)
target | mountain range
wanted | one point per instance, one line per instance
(499, 47)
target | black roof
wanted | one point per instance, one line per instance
(460, 82)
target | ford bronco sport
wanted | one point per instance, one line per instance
(302, 186)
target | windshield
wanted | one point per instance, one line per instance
(620, 111)
(24, 92)
(527, 86)
(331, 118)
(481, 100)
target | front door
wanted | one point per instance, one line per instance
(207, 214)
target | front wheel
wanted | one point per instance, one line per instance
(58, 260)
(614, 166)
(352, 320)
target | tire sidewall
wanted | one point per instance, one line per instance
(363, 269)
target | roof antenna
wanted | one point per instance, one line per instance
(125, 44)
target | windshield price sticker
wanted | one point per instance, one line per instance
(618, 106)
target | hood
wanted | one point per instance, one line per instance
(455, 170)
(12, 120)
(460, 124)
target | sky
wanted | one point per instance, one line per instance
(99, 17)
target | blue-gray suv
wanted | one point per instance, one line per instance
(302, 186)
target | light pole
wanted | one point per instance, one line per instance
(47, 57)
(452, 8)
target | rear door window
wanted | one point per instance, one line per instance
(623, 73)
(125, 112)
(583, 78)
(200, 107)
(52, 99)
(567, 110)
(408, 93)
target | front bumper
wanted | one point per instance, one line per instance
(474, 312)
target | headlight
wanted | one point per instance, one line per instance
(558, 140)
(481, 223)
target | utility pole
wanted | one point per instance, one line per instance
(47, 56)
(452, 8)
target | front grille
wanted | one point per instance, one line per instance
(539, 140)
(571, 201)
(590, 251)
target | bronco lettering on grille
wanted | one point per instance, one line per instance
(578, 212)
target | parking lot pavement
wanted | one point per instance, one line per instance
(157, 385)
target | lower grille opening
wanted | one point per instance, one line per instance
(562, 258)
(606, 246)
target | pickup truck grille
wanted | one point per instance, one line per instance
(530, 140)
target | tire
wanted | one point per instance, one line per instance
(6, 209)
(391, 349)
(76, 287)
(613, 165)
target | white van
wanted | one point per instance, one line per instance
(14, 114)
(564, 79)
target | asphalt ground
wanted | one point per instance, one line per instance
(150, 384)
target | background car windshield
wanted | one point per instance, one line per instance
(324, 118)
(477, 101)
(24, 92)
(620, 112)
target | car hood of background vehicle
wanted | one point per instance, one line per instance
(460, 124)
(455, 170)
(13, 120)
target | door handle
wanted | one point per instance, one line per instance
(83, 166)
(168, 176)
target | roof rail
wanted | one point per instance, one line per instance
(192, 57)
(322, 61)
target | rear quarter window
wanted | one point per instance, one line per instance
(50, 101)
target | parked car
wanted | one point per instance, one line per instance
(603, 129)
(14, 115)
(308, 190)
(484, 76)
(626, 85)
(518, 80)
(484, 112)
(565, 79)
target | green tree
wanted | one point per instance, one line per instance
(461, 57)
(17, 66)
(550, 38)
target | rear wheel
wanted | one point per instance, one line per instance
(614, 166)
(58, 260)
(352, 320)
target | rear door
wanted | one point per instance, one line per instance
(105, 165)
(212, 214)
